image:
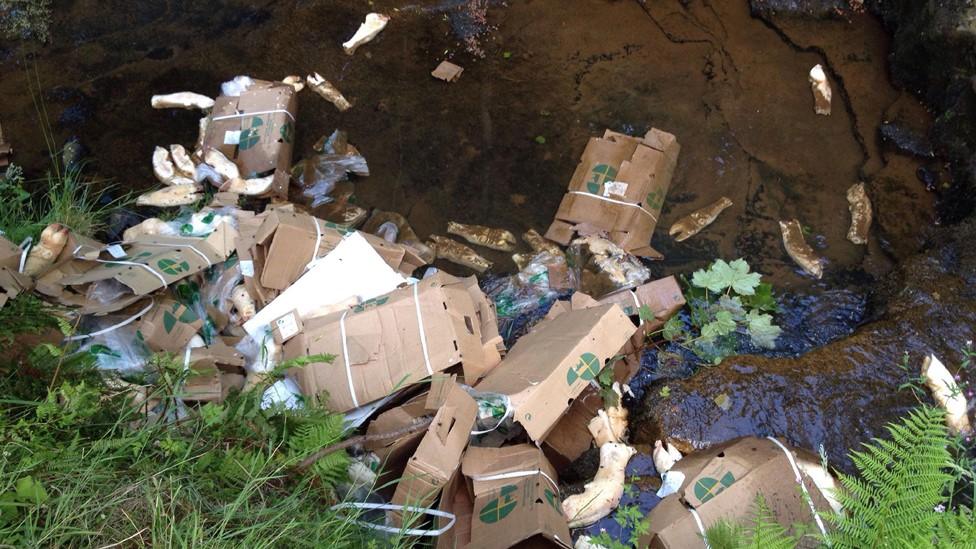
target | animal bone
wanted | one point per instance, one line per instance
(947, 395)
(250, 187)
(294, 81)
(665, 456)
(496, 239)
(610, 425)
(458, 253)
(184, 166)
(860, 207)
(539, 243)
(150, 226)
(821, 90)
(243, 304)
(174, 195)
(325, 88)
(691, 224)
(182, 100)
(50, 245)
(223, 165)
(798, 248)
(601, 495)
(374, 23)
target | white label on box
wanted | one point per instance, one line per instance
(287, 326)
(614, 187)
(115, 251)
(232, 137)
(247, 268)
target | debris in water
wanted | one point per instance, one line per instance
(447, 71)
(5, 150)
(947, 395)
(798, 248)
(325, 88)
(182, 100)
(665, 456)
(539, 243)
(294, 81)
(496, 239)
(601, 495)
(693, 223)
(258, 186)
(374, 23)
(821, 90)
(181, 160)
(860, 207)
(458, 253)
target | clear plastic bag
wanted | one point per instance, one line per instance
(320, 173)
(601, 267)
(524, 298)
(120, 350)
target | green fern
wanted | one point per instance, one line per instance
(901, 482)
(760, 532)
(956, 529)
(309, 437)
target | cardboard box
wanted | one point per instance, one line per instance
(12, 282)
(571, 437)
(393, 454)
(439, 454)
(619, 187)
(723, 483)
(548, 368)
(286, 327)
(663, 297)
(395, 340)
(256, 130)
(169, 326)
(216, 370)
(456, 500)
(525, 507)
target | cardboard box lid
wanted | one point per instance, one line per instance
(523, 509)
(482, 464)
(548, 368)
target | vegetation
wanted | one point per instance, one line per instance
(726, 303)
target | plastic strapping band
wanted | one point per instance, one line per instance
(125, 322)
(799, 480)
(701, 527)
(318, 242)
(345, 357)
(621, 202)
(394, 507)
(26, 246)
(242, 115)
(186, 357)
(423, 336)
(120, 262)
(637, 302)
(518, 474)
(508, 412)
(196, 251)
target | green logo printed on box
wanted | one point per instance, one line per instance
(172, 267)
(600, 174)
(287, 132)
(587, 369)
(552, 500)
(499, 508)
(251, 136)
(375, 302)
(707, 487)
(655, 199)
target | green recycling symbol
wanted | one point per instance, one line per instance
(499, 508)
(170, 319)
(587, 369)
(251, 136)
(707, 487)
(655, 199)
(172, 267)
(551, 498)
(600, 174)
(287, 132)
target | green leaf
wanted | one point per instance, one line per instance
(674, 328)
(762, 330)
(540, 139)
(645, 313)
(723, 324)
(733, 305)
(762, 299)
(30, 490)
(665, 392)
(722, 276)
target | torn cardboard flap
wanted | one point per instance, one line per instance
(548, 368)
(455, 500)
(392, 341)
(663, 298)
(723, 482)
(571, 436)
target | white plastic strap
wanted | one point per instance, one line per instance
(125, 322)
(394, 507)
(799, 480)
(193, 249)
(621, 202)
(345, 358)
(242, 115)
(637, 303)
(519, 474)
(120, 262)
(423, 335)
(508, 412)
(25, 246)
(186, 357)
(318, 242)
(701, 527)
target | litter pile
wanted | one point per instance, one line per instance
(475, 433)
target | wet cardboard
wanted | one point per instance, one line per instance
(663, 298)
(393, 454)
(385, 343)
(524, 509)
(547, 369)
(447, 71)
(169, 326)
(723, 483)
(571, 437)
(438, 456)
(256, 130)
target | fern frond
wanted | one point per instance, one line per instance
(765, 533)
(315, 435)
(957, 529)
(725, 535)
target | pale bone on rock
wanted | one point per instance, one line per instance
(821, 90)
(601, 495)
(458, 253)
(182, 100)
(181, 160)
(798, 249)
(325, 88)
(174, 195)
(489, 237)
(860, 207)
(691, 224)
(51, 244)
(374, 23)
(665, 456)
(947, 395)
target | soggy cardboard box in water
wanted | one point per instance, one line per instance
(523, 509)
(256, 130)
(724, 481)
(395, 340)
(548, 368)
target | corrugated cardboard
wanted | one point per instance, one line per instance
(256, 130)
(286, 327)
(386, 344)
(169, 325)
(571, 437)
(394, 454)
(12, 282)
(723, 483)
(215, 371)
(663, 297)
(456, 500)
(439, 454)
(548, 368)
(525, 508)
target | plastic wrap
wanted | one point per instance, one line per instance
(601, 267)
(320, 173)
(120, 350)
(524, 298)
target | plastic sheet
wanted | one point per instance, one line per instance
(524, 298)
(119, 350)
(601, 267)
(321, 172)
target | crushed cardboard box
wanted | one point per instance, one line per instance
(395, 340)
(724, 481)
(256, 130)
(169, 326)
(393, 454)
(215, 371)
(548, 368)
(619, 187)
(12, 281)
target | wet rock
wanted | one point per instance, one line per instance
(808, 8)
(906, 140)
(929, 178)
(842, 394)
